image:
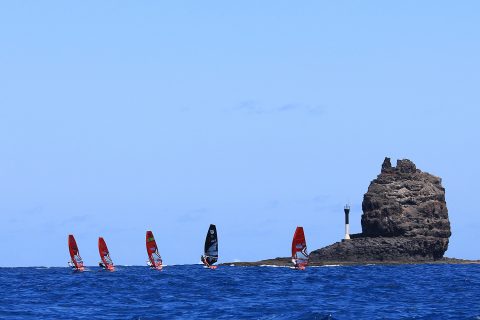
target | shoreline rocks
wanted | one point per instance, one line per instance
(286, 262)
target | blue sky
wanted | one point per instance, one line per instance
(258, 116)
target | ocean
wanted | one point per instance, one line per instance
(192, 292)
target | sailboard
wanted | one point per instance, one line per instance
(76, 262)
(299, 249)
(210, 253)
(106, 262)
(155, 260)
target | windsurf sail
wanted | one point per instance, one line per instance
(107, 262)
(210, 253)
(76, 260)
(155, 260)
(299, 249)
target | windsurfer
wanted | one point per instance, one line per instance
(204, 260)
(299, 250)
(210, 252)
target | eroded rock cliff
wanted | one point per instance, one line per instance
(405, 217)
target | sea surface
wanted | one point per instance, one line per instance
(192, 292)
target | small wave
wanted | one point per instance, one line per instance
(332, 265)
(273, 266)
(326, 266)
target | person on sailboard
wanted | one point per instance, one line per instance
(298, 266)
(204, 260)
(73, 265)
(157, 261)
(152, 266)
(108, 260)
(77, 259)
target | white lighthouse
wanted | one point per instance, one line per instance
(347, 222)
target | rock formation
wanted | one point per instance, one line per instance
(405, 218)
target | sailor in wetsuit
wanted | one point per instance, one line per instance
(77, 259)
(204, 260)
(109, 261)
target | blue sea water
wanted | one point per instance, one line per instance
(192, 292)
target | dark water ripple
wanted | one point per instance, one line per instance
(366, 292)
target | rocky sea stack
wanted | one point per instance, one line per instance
(405, 218)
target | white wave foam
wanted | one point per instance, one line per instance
(332, 265)
(273, 266)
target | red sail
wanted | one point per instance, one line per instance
(152, 250)
(75, 253)
(105, 255)
(299, 249)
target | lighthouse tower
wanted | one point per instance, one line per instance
(347, 222)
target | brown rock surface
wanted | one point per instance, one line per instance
(405, 217)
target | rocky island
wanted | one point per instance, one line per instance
(404, 220)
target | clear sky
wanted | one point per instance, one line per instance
(118, 117)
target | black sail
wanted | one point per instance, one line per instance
(211, 245)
